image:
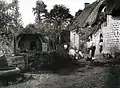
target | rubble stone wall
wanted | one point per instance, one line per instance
(113, 30)
(111, 35)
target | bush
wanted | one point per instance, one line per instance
(61, 60)
(115, 51)
(39, 60)
(52, 60)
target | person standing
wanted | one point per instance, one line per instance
(92, 47)
(101, 43)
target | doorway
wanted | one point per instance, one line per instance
(33, 45)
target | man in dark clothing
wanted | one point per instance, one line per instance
(101, 43)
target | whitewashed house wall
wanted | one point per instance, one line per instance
(96, 38)
(74, 39)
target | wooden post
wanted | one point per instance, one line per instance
(60, 39)
(14, 44)
(26, 61)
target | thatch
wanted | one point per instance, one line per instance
(117, 4)
(84, 15)
(93, 16)
(29, 29)
(112, 5)
(88, 15)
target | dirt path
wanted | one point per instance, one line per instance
(84, 77)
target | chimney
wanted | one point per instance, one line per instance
(86, 4)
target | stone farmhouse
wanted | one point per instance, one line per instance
(100, 17)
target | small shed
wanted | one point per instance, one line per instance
(29, 39)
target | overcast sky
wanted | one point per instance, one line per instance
(27, 5)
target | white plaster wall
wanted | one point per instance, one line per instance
(74, 39)
(96, 38)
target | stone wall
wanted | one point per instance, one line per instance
(113, 29)
(111, 35)
(16, 61)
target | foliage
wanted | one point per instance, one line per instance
(5, 19)
(41, 18)
(5, 16)
(45, 28)
(9, 15)
(60, 18)
(53, 60)
(115, 51)
(60, 14)
(16, 15)
(40, 11)
(78, 13)
(52, 23)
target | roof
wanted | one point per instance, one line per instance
(88, 15)
(29, 29)
(93, 16)
(84, 14)
(112, 5)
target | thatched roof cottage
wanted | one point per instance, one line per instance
(102, 16)
(86, 22)
(29, 39)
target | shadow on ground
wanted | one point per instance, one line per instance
(112, 77)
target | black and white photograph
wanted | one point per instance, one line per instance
(59, 43)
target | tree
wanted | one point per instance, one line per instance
(60, 18)
(60, 14)
(40, 11)
(17, 19)
(5, 15)
(5, 19)
(54, 21)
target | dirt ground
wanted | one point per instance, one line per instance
(84, 77)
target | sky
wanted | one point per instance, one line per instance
(27, 5)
